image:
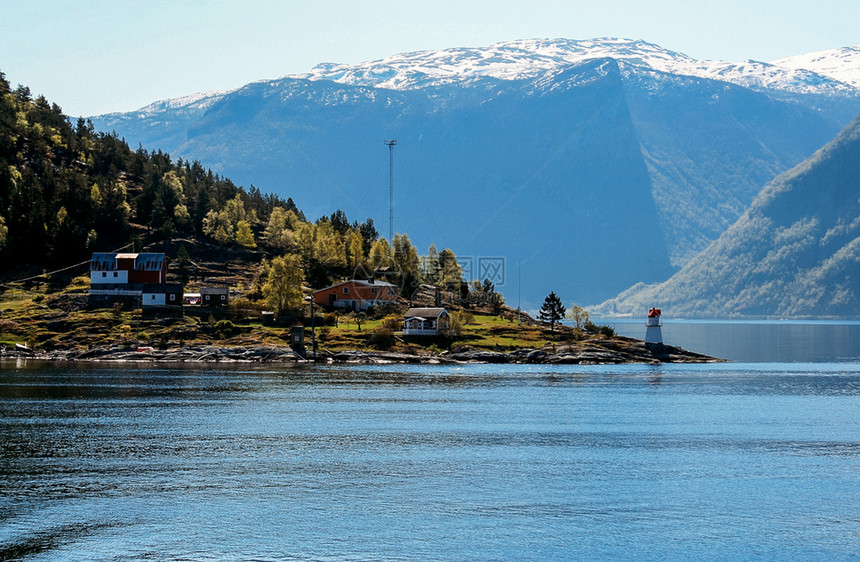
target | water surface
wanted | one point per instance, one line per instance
(758, 341)
(421, 462)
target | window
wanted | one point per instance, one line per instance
(173, 297)
(115, 274)
(223, 297)
(346, 290)
(104, 273)
(373, 290)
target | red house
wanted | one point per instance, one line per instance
(126, 272)
(356, 294)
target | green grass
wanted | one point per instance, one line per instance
(33, 316)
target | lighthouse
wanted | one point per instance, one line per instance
(653, 334)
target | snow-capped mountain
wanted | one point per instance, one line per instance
(832, 72)
(526, 59)
(613, 157)
(840, 64)
(200, 101)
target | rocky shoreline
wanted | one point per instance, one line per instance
(616, 351)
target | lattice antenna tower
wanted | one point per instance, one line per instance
(391, 144)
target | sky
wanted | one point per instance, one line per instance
(93, 57)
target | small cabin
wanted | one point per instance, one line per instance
(214, 297)
(161, 295)
(425, 321)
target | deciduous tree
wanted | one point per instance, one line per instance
(283, 287)
(578, 315)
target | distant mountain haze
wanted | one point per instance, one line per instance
(794, 253)
(588, 166)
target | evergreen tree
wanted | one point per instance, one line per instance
(339, 222)
(368, 232)
(552, 311)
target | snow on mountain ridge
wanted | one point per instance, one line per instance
(841, 64)
(530, 58)
(825, 72)
(506, 61)
(200, 100)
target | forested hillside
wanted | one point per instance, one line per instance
(794, 253)
(66, 191)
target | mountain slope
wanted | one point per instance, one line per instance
(795, 252)
(593, 173)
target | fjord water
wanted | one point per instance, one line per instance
(758, 341)
(429, 462)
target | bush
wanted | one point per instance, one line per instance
(381, 338)
(329, 319)
(224, 329)
(243, 304)
(592, 328)
(392, 322)
(456, 322)
(384, 310)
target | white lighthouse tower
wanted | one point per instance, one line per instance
(653, 333)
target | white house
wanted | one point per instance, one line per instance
(425, 321)
(161, 295)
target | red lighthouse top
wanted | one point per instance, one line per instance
(654, 313)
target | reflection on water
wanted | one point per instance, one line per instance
(393, 462)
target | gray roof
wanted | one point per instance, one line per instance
(424, 312)
(362, 283)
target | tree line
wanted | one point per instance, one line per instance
(67, 190)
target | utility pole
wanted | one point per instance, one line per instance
(313, 330)
(391, 144)
(519, 289)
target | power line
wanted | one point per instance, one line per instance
(46, 274)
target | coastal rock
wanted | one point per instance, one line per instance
(480, 356)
